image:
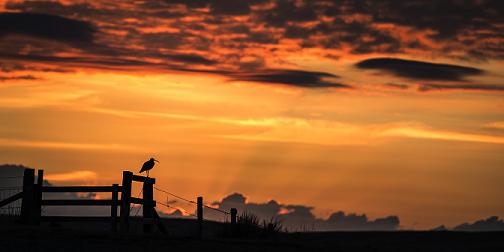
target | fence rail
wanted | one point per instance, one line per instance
(79, 188)
(76, 218)
(77, 202)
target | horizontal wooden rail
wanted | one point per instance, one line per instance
(143, 179)
(11, 199)
(76, 218)
(77, 202)
(79, 188)
(88, 202)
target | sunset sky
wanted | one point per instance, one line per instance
(371, 107)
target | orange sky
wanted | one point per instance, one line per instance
(359, 138)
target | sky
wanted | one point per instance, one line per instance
(383, 108)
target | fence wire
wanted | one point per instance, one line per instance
(14, 208)
(188, 201)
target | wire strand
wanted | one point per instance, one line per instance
(137, 197)
(174, 195)
(190, 201)
(138, 210)
(216, 209)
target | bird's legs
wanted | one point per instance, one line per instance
(147, 173)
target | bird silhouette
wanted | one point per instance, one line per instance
(148, 165)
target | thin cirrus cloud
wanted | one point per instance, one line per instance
(470, 87)
(426, 133)
(20, 77)
(495, 125)
(334, 133)
(64, 145)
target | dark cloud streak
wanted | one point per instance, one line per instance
(21, 77)
(419, 70)
(47, 26)
(467, 87)
(297, 78)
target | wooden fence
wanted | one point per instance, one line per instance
(33, 200)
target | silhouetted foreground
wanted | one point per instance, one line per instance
(58, 238)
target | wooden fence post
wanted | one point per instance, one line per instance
(37, 208)
(200, 216)
(125, 200)
(27, 204)
(233, 213)
(113, 207)
(148, 205)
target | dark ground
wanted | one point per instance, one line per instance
(15, 237)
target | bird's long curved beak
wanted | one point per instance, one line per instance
(155, 160)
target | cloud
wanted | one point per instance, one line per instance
(190, 3)
(72, 176)
(491, 224)
(229, 7)
(213, 36)
(12, 143)
(468, 87)
(191, 59)
(427, 133)
(462, 29)
(297, 78)
(397, 85)
(350, 222)
(17, 171)
(447, 18)
(21, 77)
(115, 63)
(289, 11)
(320, 132)
(495, 125)
(300, 217)
(46, 26)
(15, 67)
(419, 70)
(12, 177)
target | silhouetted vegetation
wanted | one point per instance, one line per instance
(250, 226)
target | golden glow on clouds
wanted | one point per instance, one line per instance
(302, 131)
(71, 176)
(495, 125)
(441, 135)
(338, 147)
